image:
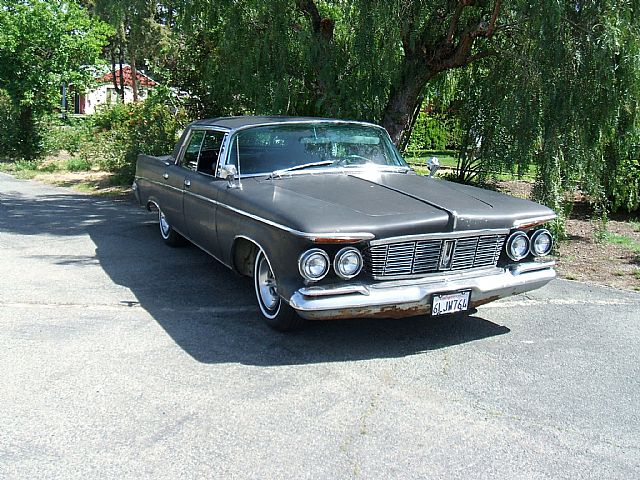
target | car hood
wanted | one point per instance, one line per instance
(386, 204)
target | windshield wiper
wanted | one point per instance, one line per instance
(278, 173)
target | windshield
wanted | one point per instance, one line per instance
(263, 150)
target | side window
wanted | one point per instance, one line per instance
(190, 158)
(210, 151)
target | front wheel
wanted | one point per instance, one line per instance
(276, 313)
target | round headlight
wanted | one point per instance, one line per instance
(518, 246)
(541, 242)
(348, 263)
(314, 264)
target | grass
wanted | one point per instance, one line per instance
(622, 240)
(24, 169)
(77, 165)
(448, 159)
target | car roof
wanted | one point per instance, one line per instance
(233, 123)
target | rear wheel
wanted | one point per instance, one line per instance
(276, 312)
(169, 235)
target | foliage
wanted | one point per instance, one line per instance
(125, 130)
(43, 43)
(8, 127)
(68, 134)
(435, 131)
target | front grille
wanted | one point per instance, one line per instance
(424, 256)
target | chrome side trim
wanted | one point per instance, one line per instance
(355, 236)
(534, 221)
(440, 235)
(160, 184)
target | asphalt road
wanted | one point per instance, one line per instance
(123, 358)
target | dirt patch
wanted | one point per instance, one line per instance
(591, 254)
(90, 182)
(588, 257)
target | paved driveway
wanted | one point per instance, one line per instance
(123, 358)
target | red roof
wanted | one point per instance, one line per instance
(126, 72)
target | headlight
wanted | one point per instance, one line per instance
(348, 263)
(313, 264)
(541, 243)
(518, 246)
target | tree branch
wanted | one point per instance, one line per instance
(310, 8)
(453, 27)
(494, 18)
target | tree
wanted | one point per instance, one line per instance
(138, 35)
(552, 83)
(42, 44)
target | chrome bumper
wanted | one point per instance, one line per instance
(396, 299)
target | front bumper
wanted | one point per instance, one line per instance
(397, 299)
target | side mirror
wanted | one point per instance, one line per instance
(229, 172)
(433, 165)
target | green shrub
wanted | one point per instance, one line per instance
(435, 131)
(48, 168)
(77, 165)
(8, 127)
(122, 131)
(69, 134)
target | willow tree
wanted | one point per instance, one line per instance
(549, 82)
(565, 100)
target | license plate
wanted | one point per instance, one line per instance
(450, 303)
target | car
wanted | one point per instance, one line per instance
(331, 222)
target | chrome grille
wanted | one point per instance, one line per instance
(423, 256)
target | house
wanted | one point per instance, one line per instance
(104, 91)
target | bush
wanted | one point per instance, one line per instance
(78, 165)
(125, 130)
(70, 134)
(435, 131)
(8, 127)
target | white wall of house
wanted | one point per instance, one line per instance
(106, 94)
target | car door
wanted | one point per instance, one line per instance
(201, 192)
(175, 177)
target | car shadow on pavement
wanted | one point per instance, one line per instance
(209, 311)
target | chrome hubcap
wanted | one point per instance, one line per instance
(267, 285)
(164, 225)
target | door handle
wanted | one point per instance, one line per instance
(187, 183)
(165, 175)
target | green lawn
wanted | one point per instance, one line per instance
(448, 160)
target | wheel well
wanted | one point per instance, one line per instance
(152, 206)
(243, 254)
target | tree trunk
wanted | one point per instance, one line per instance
(122, 85)
(134, 78)
(404, 102)
(113, 71)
